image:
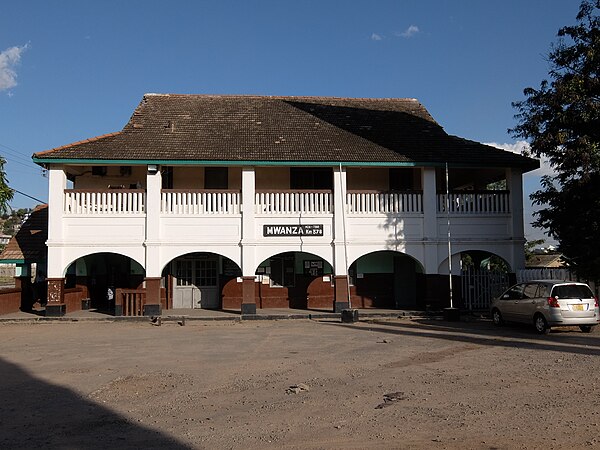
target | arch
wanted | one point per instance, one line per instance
(386, 279)
(99, 274)
(77, 253)
(476, 258)
(294, 279)
(323, 252)
(200, 280)
(415, 252)
(170, 253)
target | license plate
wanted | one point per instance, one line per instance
(577, 307)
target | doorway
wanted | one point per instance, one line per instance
(196, 283)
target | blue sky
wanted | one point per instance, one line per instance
(71, 70)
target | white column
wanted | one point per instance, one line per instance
(514, 182)
(339, 205)
(248, 222)
(430, 225)
(57, 183)
(152, 243)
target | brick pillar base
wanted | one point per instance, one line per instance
(341, 293)
(152, 307)
(248, 297)
(55, 307)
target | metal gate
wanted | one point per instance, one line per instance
(480, 286)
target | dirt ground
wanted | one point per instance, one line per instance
(297, 384)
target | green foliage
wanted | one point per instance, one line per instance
(561, 120)
(6, 193)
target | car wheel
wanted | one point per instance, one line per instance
(497, 318)
(540, 324)
(585, 328)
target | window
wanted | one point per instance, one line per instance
(167, 177)
(514, 293)
(183, 272)
(99, 171)
(530, 290)
(283, 271)
(311, 178)
(216, 178)
(572, 291)
(402, 179)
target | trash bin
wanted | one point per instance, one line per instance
(349, 315)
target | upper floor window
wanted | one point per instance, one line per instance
(403, 179)
(311, 178)
(216, 178)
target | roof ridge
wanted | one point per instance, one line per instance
(282, 97)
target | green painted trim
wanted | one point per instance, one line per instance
(12, 261)
(170, 162)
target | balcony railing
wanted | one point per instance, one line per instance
(196, 202)
(375, 202)
(293, 202)
(104, 202)
(475, 202)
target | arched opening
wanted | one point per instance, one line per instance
(200, 280)
(98, 276)
(296, 280)
(483, 260)
(386, 279)
(478, 277)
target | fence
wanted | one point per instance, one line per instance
(364, 202)
(480, 286)
(293, 202)
(199, 202)
(131, 301)
(112, 201)
(474, 203)
(545, 274)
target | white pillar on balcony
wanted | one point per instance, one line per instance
(152, 243)
(57, 183)
(430, 225)
(339, 232)
(514, 182)
(249, 231)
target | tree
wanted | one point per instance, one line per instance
(561, 120)
(6, 193)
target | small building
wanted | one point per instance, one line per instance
(245, 202)
(28, 252)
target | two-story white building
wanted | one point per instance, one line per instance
(239, 202)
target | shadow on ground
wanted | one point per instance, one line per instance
(34, 413)
(484, 333)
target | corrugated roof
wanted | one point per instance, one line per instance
(29, 244)
(174, 127)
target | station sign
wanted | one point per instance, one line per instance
(292, 230)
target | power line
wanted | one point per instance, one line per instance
(27, 195)
(16, 153)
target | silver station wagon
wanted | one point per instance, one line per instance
(546, 304)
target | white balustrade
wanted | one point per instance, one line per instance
(475, 203)
(293, 202)
(105, 202)
(200, 202)
(371, 202)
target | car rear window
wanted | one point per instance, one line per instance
(572, 291)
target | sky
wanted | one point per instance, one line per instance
(71, 70)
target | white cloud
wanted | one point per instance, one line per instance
(376, 37)
(409, 32)
(9, 58)
(523, 146)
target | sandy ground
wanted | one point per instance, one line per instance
(297, 384)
